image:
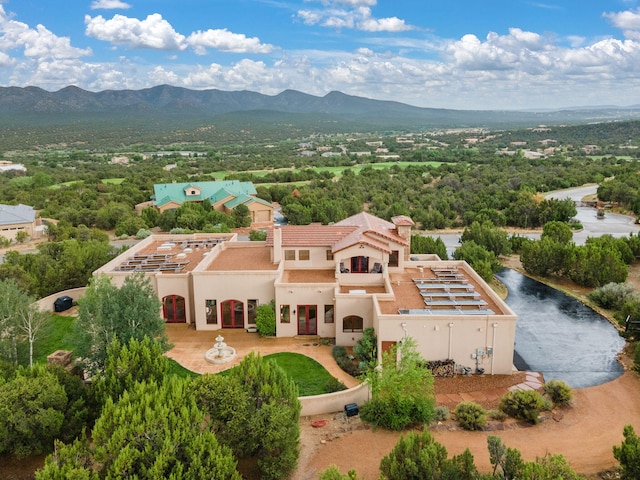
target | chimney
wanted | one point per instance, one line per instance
(277, 244)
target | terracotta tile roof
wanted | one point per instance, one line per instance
(369, 227)
(310, 235)
(360, 228)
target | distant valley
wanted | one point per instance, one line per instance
(149, 115)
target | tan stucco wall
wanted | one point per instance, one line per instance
(221, 286)
(334, 402)
(11, 230)
(295, 295)
(437, 340)
(317, 259)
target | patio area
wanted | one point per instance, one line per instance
(190, 346)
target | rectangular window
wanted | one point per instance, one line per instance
(252, 305)
(328, 314)
(393, 258)
(285, 316)
(211, 308)
(329, 255)
(289, 254)
(303, 254)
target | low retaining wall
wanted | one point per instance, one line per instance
(46, 304)
(334, 402)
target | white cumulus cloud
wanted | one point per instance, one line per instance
(154, 32)
(226, 41)
(109, 4)
(36, 43)
(627, 20)
(351, 14)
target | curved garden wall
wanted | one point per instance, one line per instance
(334, 402)
(46, 304)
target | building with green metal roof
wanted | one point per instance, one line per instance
(224, 196)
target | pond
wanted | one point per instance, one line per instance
(559, 336)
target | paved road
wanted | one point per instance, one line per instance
(614, 224)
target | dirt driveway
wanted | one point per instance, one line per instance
(584, 434)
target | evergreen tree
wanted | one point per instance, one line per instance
(418, 456)
(628, 454)
(152, 431)
(254, 410)
(137, 361)
(32, 409)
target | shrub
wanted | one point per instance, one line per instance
(442, 413)
(257, 235)
(366, 349)
(524, 404)
(334, 385)
(471, 416)
(636, 358)
(613, 296)
(397, 413)
(344, 361)
(142, 233)
(558, 391)
(497, 415)
(266, 319)
(333, 473)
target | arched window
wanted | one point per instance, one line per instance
(352, 323)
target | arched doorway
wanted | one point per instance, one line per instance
(173, 309)
(232, 314)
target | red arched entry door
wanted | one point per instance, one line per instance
(173, 309)
(232, 314)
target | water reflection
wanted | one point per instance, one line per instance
(559, 336)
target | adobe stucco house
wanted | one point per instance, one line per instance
(330, 281)
(18, 218)
(224, 197)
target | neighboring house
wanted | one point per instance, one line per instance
(330, 281)
(18, 218)
(224, 197)
(8, 166)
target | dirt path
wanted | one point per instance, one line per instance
(584, 434)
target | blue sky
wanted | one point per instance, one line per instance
(462, 54)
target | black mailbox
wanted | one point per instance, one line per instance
(351, 410)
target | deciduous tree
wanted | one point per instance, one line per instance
(106, 312)
(401, 389)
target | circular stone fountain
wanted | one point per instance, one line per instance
(221, 352)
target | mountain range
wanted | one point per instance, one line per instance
(165, 100)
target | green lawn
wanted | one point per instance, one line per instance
(57, 334)
(310, 376)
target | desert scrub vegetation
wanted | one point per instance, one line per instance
(471, 416)
(524, 404)
(559, 392)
